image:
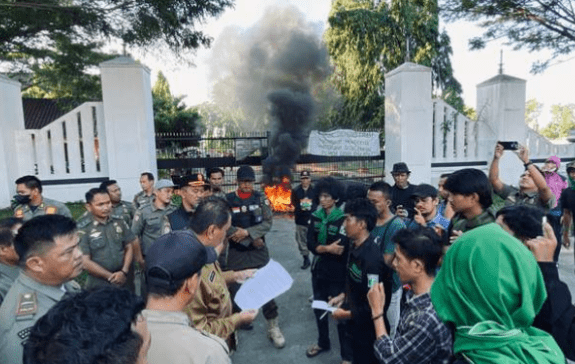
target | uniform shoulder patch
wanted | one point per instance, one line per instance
(27, 304)
(51, 210)
(19, 213)
(212, 276)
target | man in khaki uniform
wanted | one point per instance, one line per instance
(121, 209)
(211, 308)
(49, 259)
(175, 261)
(106, 243)
(8, 257)
(31, 203)
(146, 196)
(148, 220)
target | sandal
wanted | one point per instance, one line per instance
(314, 350)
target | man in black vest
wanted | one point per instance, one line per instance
(192, 189)
(251, 219)
(303, 198)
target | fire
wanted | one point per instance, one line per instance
(280, 196)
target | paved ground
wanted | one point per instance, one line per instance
(295, 315)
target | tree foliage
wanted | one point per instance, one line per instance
(533, 25)
(61, 41)
(532, 112)
(171, 115)
(365, 41)
(562, 121)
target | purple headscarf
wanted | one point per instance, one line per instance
(554, 181)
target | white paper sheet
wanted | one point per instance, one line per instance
(322, 305)
(267, 283)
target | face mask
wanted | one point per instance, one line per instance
(22, 199)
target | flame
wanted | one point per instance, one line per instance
(280, 196)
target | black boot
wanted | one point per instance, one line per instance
(306, 262)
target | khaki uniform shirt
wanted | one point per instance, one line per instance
(459, 222)
(148, 224)
(47, 207)
(141, 199)
(16, 320)
(8, 275)
(211, 309)
(174, 341)
(124, 210)
(105, 244)
(514, 196)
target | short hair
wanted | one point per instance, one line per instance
(30, 182)
(6, 234)
(211, 210)
(148, 175)
(363, 210)
(421, 243)
(355, 190)
(382, 187)
(444, 175)
(38, 235)
(331, 186)
(92, 326)
(215, 170)
(104, 185)
(468, 181)
(525, 221)
(93, 192)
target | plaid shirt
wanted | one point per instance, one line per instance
(421, 337)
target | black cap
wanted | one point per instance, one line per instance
(176, 256)
(304, 174)
(400, 167)
(570, 166)
(246, 173)
(196, 179)
(424, 190)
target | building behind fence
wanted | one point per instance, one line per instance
(114, 139)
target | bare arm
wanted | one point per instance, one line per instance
(128, 255)
(496, 183)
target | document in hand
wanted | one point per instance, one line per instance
(266, 284)
(322, 305)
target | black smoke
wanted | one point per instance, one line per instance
(273, 69)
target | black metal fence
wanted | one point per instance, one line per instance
(179, 154)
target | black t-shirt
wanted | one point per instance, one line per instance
(303, 210)
(567, 201)
(364, 261)
(402, 197)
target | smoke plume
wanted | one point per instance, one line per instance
(269, 72)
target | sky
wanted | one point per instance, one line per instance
(470, 67)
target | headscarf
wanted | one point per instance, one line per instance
(490, 288)
(554, 181)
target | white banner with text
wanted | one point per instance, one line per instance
(344, 143)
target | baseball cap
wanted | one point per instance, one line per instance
(424, 190)
(163, 183)
(246, 173)
(176, 256)
(304, 174)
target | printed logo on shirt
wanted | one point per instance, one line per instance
(355, 272)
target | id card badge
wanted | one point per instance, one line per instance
(372, 280)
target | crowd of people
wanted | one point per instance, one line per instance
(411, 273)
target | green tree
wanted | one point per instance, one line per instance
(562, 121)
(533, 25)
(365, 41)
(61, 40)
(532, 112)
(171, 115)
